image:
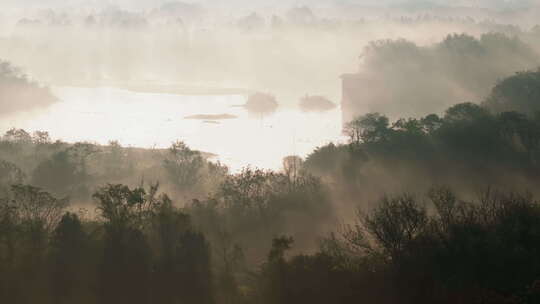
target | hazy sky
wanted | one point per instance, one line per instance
(154, 3)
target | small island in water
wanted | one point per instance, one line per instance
(316, 103)
(211, 117)
(261, 103)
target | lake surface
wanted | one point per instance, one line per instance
(156, 120)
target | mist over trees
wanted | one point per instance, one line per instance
(520, 93)
(469, 140)
(429, 196)
(99, 229)
(314, 44)
(18, 92)
(427, 79)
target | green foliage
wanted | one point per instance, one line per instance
(59, 174)
(407, 79)
(316, 278)
(253, 206)
(340, 162)
(123, 207)
(10, 174)
(75, 169)
(394, 224)
(183, 165)
(371, 127)
(279, 246)
(468, 141)
(520, 93)
(17, 136)
(35, 206)
(401, 251)
(27, 217)
(71, 274)
(292, 167)
(141, 248)
(150, 247)
(193, 265)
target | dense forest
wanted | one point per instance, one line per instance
(436, 209)
(427, 79)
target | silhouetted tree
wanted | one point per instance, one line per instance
(520, 93)
(70, 275)
(168, 225)
(59, 174)
(195, 282)
(368, 128)
(183, 165)
(126, 264)
(10, 174)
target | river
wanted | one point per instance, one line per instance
(156, 120)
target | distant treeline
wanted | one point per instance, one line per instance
(497, 143)
(403, 78)
(18, 92)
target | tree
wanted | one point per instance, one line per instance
(274, 285)
(521, 132)
(70, 273)
(126, 264)
(279, 246)
(465, 112)
(410, 126)
(431, 123)
(18, 136)
(29, 214)
(59, 173)
(182, 268)
(116, 160)
(37, 207)
(183, 165)
(80, 152)
(41, 138)
(10, 174)
(390, 227)
(168, 224)
(520, 93)
(292, 167)
(370, 128)
(193, 263)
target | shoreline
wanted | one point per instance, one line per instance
(171, 89)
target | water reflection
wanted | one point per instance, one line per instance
(156, 120)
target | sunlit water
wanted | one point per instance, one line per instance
(156, 120)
